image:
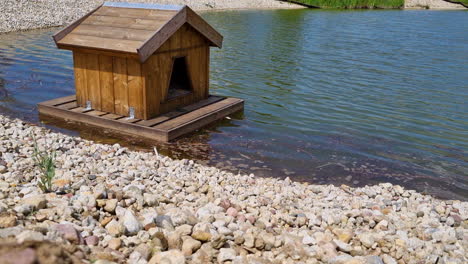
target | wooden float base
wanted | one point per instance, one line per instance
(165, 127)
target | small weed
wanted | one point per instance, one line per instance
(45, 161)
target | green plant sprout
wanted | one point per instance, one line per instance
(45, 160)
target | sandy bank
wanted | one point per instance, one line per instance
(26, 14)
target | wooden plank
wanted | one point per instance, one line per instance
(210, 100)
(68, 106)
(153, 75)
(125, 22)
(196, 74)
(92, 81)
(128, 120)
(120, 86)
(112, 116)
(80, 110)
(79, 61)
(135, 12)
(106, 79)
(62, 33)
(164, 132)
(96, 113)
(61, 100)
(207, 71)
(75, 40)
(201, 117)
(204, 120)
(160, 119)
(113, 32)
(166, 31)
(184, 110)
(135, 87)
(204, 28)
(103, 52)
(133, 129)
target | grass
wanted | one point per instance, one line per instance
(45, 161)
(463, 2)
(348, 4)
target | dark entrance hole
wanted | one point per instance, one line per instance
(180, 81)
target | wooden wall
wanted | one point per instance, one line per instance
(112, 84)
(157, 70)
(115, 82)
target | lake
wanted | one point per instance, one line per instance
(332, 97)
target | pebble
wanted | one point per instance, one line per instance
(226, 254)
(190, 246)
(115, 243)
(92, 240)
(111, 205)
(201, 236)
(69, 233)
(144, 208)
(115, 228)
(131, 224)
(7, 221)
(173, 256)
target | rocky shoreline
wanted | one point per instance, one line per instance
(19, 15)
(25, 14)
(114, 205)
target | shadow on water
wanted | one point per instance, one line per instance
(193, 146)
(332, 97)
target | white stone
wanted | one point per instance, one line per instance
(131, 223)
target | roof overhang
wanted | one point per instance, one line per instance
(182, 15)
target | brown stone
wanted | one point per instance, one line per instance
(7, 221)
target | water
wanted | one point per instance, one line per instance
(341, 97)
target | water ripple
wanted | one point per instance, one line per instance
(380, 94)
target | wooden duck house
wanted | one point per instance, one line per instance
(140, 63)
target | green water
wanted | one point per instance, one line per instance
(341, 97)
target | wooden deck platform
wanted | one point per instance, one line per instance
(165, 127)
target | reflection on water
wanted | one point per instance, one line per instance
(342, 97)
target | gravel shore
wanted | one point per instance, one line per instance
(114, 205)
(27, 14)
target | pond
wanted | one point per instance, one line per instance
(332, 97)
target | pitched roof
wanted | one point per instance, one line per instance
(132, 28)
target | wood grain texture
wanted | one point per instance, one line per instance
(106, 78)
(204, 28)
(101, 121)
(120, 86)
(59, 101)
(175, 126)
(185, 37)
(103, 52)
(79, 64)
(111, 32)
(92, 81)
(125, 22)
(135, 88)
(62, 33)
(135, 12)
(162, 35)
(201, 117)
(80, 110)
(206, 83)
(68, 106)
(123, 45)
(112, 116)
(96, 113)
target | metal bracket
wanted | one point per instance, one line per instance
(131, 113)
(88, 105)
